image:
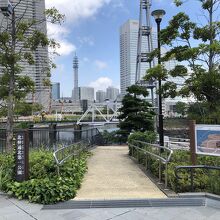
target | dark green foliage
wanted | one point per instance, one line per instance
(181, 108)
(6, 170)
(200, 111)
(44, 186)
(136, 113)
(113, 137)
(147, 136)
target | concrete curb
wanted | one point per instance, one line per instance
(212, 200)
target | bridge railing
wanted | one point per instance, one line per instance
(149, 150)
(191, 170)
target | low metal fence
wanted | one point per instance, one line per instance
(153, 151)
(53, 139)
(191, 170)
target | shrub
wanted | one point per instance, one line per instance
(113, 137)
(44, 185)
(204, 180)
(147, 136)
(6, 170)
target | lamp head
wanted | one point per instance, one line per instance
(158, 15)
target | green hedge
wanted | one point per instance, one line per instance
(204, 180)
(44, 186)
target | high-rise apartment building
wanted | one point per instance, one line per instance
(128, 54)
(100, 96)
(112, 93)
(32, 10)
(86, 93)
(55, 91)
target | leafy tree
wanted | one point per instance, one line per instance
(18, 43)
(136, 113)
(196, 48)
(181, 108)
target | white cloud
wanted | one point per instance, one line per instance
(101, 83)
(73, 11)
(86, 40)
(101, 65)
(77, 9)
(60, 33)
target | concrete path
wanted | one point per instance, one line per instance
(113, 175)
(12, 209)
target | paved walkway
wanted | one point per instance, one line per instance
(11, 209)
(113, 175)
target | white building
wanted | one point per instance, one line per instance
(128, 54)
(86, 93)
(32, 10)
(100, 96)
(112, 93)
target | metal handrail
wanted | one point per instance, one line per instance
(165, 161)
(74, 153)
(159, 157)
(191, 168)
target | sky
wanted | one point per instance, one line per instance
(91, 30)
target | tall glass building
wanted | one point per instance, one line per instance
(55, 91)
(128, 54)
(28, 10)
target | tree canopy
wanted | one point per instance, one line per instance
(20, 38)
(195, 46)
(136, 113)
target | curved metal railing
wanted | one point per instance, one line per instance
(191, 169)
(163, 158)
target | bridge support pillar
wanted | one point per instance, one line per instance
(77, 132)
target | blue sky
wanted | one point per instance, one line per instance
(91, 30)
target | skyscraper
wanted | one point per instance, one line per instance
(128, 54)
(55, 91)
(32, 10)
(76, 83)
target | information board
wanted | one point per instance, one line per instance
(207, 139)
(22, 161)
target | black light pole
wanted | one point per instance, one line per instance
(158, 15)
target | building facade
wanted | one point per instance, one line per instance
(112, 93)
(86, 93)
(55, 91)
(100, 96)
(38, 72)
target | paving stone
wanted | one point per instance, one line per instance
(113, 175)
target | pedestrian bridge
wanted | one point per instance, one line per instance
(112, 174)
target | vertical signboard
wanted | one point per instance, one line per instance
(207, 139)
(21, 156)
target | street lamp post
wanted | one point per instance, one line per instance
(158, 15)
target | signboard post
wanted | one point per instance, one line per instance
(192, 141)
(21, 156)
